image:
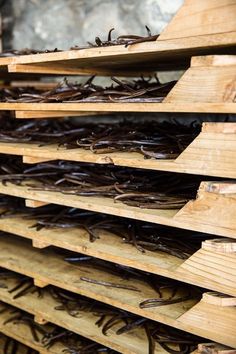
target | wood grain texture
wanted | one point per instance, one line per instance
(109, 247)
(21, 258)
(212, 153)
(210, 212)
(202, 17)
(134, 342)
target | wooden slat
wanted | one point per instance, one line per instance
(194, 107)
(49, 268)
(54, 114)
(212, 153)
(198, 18)
(134, 342)
(217, 270)
(211, 212)
(209, 318)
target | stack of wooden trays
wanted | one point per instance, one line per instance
(207, 86)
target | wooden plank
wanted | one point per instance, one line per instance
(208, 319)
(75, 70)
(109, 247)
(52, 114)
(45, 306)
(210, 213)
(214, 348)
(23, 335)
(134, 342)
(180, 106)
(219, 86)
(212, 153)
(34, 203)
(198, 18)
(219, 299)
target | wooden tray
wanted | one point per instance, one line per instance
(192, 93)
(196, 29)
(213, 211)
(212, 153)
(44, 311)
(46, 268)
(213, 266)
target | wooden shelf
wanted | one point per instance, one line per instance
(43, 309)
(196, 29)
(212, 211)
(209, 267)
(192, 93)
(199, 317)
(211, 153)
(23, 335)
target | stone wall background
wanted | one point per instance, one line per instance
(46, 24)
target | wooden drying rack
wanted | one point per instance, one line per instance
(192, 93)
(212, 153)
(209, 267)
(207, 86)
(48, 268)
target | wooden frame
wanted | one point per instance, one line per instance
(213, 266)
(213, 211)
(196, 29)
(192, 93)
(211, 153)
(43, 309)
(192, 317)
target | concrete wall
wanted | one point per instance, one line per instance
(48, 24)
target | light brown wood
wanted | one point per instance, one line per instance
(111, 248)
(210, 212)
(218, 299)
(212, 153)
(220, 85)
(54, 114)
(33, 160)
(208, 319)
(202, 17)
(180, 106)
(43, 308)
(214, 348)
(223, 245)
(34, 203)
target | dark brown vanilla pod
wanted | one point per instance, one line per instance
(25, 51)
(108, 317)
(12, 346)
(153, 139)
(143, 236)
(157, 190)
(141, 90)
(125, 40)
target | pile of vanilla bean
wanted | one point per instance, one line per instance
(107, 318)
(73, 343)
(137, 90)
(143, 236)
(125, 40)
(153, 139)
(134, 187)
